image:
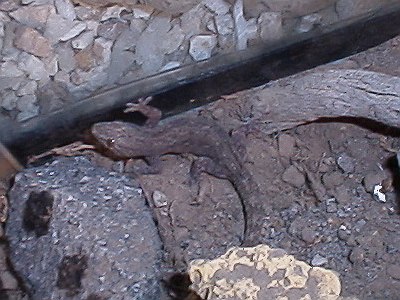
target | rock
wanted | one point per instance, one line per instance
(224, 24)
(29, 88)
(318, 260)
(346, 163)
(294, 177)
(261, 273)
(66, 60)
(84, 40)
(286, 145)
(201, 46)
(113, 12)
(121, 62)
(331, 205)
(8, 281)
(351, 8)
(159, 199)
(110, 30)
(36, 2)
(8, 5)
(31, 41)
(193, 20)
(394, 271)
(357, 255)
(10, 69)
(65, 8)
(34, 67)
(27, 105)
(142, 11)
(373, 179)
(219, 7)
(244, 29)
(270, 24)
(173, 7)
(331, 180)
(308, 235)
(170, 65)
(309, 22)
(10, 83)
(77, 28)
(8, 100)
(33, 16)
(61, 227)
(51, 64)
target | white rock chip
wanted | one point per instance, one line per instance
(170, 65)
(201, 46)
(270, 26)
(84, 40)
(36, 2)
(34, 67)
(31, 41)
(66, 9)
(10, 69)
(308, 22)
(244, 29)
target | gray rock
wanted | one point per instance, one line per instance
(31, 41)
(299, 7)
(8, 100)
(27, 107)
(270, 26)
(10, 69)
(121, 62)
(309, 22)
(142, 12)
(220, 7)
(173, 40)
(8, 5)
(170, 65)
(12, 83)
(4, 17)
(65, 8)
(70, 217)
(224, 24)
(245, 29)
(28, 88)
(33, 16)
(34, 67)
(83, 40)
(51, 64)
(36, 2)
(294, 177)
(110, 30)
(318, 260)
(76, 29)
(346, 163)
(66, 60)
(201, 46)
(113, 12)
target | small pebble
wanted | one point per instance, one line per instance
(318, 260)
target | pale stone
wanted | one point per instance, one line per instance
(76, 29)
(27, 107)
(193, 20)
(28, 88)
(113, 12)
(201, 46)
(173, 39)
(220, 7)
(1, 30)
(84, 40)
(211, 26)
(121, 62)
(8, 281)
(346, 9)
(111, 30)
(33, 16)
(142, 11)
(33, 66)
(308, 22)
(31, 41)
(225, 24)
(244, 29)
(270, 26)
(8, 5)
(11, 83)
(66, 60)
(66, 9)
(299, 7)
(4, 17)
(51, 64)
(36, 2)
(62, 77)
(10, 69)
(9, 100)
(170, 65)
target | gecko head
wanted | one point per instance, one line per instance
(108, 135)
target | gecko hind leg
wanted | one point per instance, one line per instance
(152, 114)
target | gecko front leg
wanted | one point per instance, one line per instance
(152, 113)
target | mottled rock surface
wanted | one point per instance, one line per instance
(77, 231)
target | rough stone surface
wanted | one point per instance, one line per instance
(33, 16)
(201, 46)
(293, 176)
(31, 41)
(78, 230)
(261, 273)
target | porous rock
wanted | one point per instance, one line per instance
(77, 230)
(261, 272)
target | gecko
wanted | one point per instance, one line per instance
(218, 153)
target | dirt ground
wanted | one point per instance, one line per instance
(319, 180)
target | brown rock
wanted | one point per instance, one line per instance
(330, 180)
(31, 41)
(293, 176)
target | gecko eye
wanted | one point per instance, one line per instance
(110, 141)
